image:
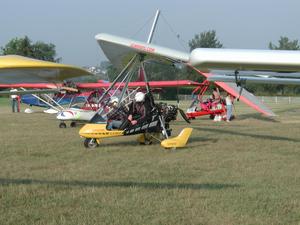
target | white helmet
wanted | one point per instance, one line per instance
(114, 99)
(139, 97)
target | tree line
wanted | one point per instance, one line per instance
(159, 71)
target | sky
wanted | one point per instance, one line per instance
(71, 25)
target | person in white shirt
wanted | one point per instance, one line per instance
(229, 102)
(14, 100)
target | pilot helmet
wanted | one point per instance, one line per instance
(114, 99)
(139, 97)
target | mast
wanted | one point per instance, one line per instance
(153, 27)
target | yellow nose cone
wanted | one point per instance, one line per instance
(91, 130)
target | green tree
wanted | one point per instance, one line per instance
(112, 72)
(206, 39)
(285, 44)
(25, 47)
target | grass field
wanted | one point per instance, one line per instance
(244, 172)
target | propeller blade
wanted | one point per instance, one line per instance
(182, 113)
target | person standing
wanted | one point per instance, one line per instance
(14, 101)
(229, 102)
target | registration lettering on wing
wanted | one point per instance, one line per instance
(142, 47)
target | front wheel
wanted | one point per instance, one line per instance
(90, 143)
(62, 125)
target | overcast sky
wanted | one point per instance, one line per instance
(72, 24)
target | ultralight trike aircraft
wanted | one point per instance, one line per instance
(155, 125)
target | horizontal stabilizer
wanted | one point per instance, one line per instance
(179, 141)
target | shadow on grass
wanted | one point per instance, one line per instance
(155, 143)
(289, 110)
(203, 139)
(118, 184)
(257, 117)
(238, 133)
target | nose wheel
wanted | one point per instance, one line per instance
(90, 143)
(62, 125)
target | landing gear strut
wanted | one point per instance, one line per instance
(239, 83)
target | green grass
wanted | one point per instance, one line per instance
(244, 172)
(4, 101)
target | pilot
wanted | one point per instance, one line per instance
(216, 104)
(117, 115)
(137, 110)
(216, 95)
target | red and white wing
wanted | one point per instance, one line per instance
(245, 96)
(153, 84)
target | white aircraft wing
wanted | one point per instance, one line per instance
(120, 50)
(245, 59)
(262, 80)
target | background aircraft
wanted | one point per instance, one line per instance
(86, 93)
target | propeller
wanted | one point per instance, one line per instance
(182, 113)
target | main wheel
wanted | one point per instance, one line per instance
(62, 125)
(90, 143)
(73, 124)
(145, 139)
(148, 142)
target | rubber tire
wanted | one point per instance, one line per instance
(73, 124)
(148, 142)
(88, 144)
(62, 125)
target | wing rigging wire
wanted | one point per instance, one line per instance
(181, 42)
